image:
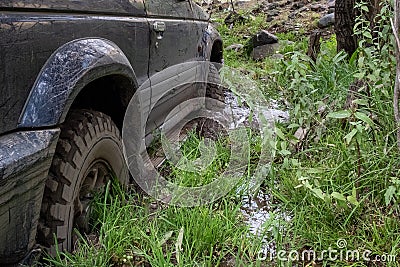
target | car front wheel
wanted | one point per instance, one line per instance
(88, 155)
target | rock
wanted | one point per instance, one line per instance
(318, 8)
(263, 51)
(278, 56)
(301, 133)
(297, 5)
(262, 38)
(235, 47)
(322, 109)
(292, 15)
(283, 4)
(271, 14)
(303, 9)
(241, 3)
(327, 20)
(272, 6)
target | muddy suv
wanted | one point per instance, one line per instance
(68, 72)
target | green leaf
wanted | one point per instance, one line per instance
(178, 244)
(295, 162)
(364, 8)
(338, 196)
(361, 102)
(293, 125)
(315, 171)
(364, 118)
(280, 133)
(367, 34)
(339, 57)
(352, 200)
(318, 192)
(350, 136)
(285, 152)
(359, 75)
(166, 237)
(342, 114)
(354, 192)
(308, 185)
(390, 192)
(354, 56)
(361, 61)
(372, 77)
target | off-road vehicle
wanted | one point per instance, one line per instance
(68, 70)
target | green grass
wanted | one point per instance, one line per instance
(189, 174)
(133, 229)
(359, 173)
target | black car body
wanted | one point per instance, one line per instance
(57, 55)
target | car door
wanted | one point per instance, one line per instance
(176, 32)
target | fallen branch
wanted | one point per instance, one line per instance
(395, 28)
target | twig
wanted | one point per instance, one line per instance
(396, 36)
(395, 27)
(357, 183)
(233, 6)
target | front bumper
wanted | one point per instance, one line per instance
(25, 158)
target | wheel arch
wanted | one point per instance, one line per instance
(217, 52)
(212, 45)
(108, 94)
(68, 79)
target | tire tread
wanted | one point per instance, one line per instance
(78, 133)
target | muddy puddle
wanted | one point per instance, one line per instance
(240, 112)
(264, 217)
(236, 113)
(265, 220)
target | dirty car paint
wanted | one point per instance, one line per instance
(29, 38)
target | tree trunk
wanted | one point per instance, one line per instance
(374, 8)
(344, 24)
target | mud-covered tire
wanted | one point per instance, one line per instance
(214, 88)
(88, 139)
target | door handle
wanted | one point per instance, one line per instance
(159, 27)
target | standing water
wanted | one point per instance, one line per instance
(264, 218)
